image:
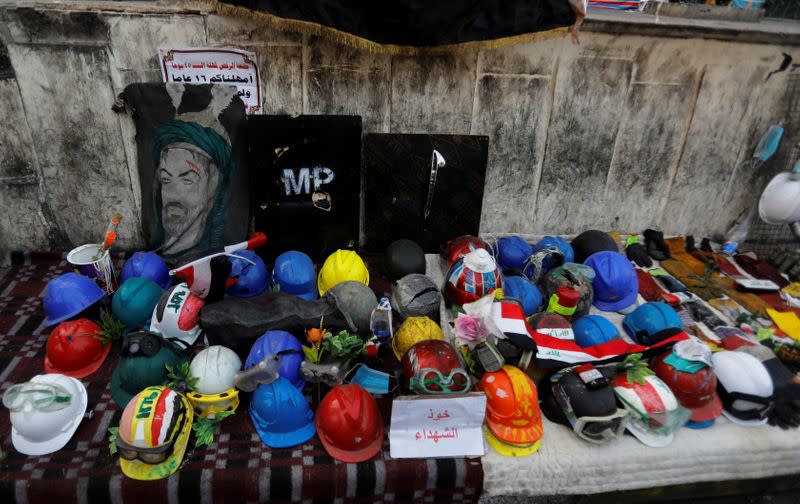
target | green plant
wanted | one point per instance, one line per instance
(343, 346)
(113, 329)
(112, 439)
(180, 377)
(636, 369)
(205, 427)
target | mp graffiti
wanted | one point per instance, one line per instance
(298, 181)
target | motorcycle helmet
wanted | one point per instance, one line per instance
(403, 257)
(472, 277)
(434, 367)
(461, 246)
(355, 301)
(143, 363)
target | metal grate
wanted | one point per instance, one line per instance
(766, 239)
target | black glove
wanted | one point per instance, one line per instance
(786, 410)
(637, 253)
(656, 246)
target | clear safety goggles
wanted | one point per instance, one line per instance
(601, 429)
(263, 372)
(40, 396)
(154, 455)
(662, 423)
(433, 381)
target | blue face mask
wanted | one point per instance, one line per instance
(371, 380)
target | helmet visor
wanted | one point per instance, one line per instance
(40, 396)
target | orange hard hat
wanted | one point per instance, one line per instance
(512, 406)
(349, 424)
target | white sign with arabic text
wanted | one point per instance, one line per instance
(214, 65)
(437, 426)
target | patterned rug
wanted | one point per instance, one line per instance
(237, 467)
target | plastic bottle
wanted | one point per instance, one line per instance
(738, 232)
(380, 321)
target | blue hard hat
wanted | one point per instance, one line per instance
(294, 274)
(524, 291)
(645, 323)
(252, 276)
(67, 295)
(147, 265)
(281, 414)
(511, 252)
(135, 300)
(593, 330)
(274, 342)
(616, 283)
(559, 243)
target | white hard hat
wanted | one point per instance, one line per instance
(176, 317)
(38, 432)
(780, 201)
(741, 374)
(215, 369)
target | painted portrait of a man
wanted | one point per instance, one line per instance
(193, 169)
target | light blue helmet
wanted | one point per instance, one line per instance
(281, 415)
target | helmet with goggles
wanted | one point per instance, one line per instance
(153, 433)
(434, 367)
(582, 397)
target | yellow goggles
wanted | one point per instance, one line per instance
(210, 404)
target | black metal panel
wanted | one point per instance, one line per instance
(294, 157)
(397, 180)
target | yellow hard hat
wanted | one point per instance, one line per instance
(510, 449)
(412, 331)
(341, 266)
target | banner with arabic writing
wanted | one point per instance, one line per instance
(214, 65)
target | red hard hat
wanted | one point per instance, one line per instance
(694, 390)
(461, 246)
(349, 424)
(75, 349)
(434, 367)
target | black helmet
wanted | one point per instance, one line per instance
(403, 257)
(589, 242)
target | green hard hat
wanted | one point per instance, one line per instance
(135, 373)
(135, 300)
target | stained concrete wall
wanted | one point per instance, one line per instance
(620, 132)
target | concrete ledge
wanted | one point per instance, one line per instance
(765, 31)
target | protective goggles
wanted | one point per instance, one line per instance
(211, 404)
(140, 344)
(329, 374)
(754, 407)
(154, 455)
(40, 396)
(600, 430)
(433, 381)
(534, 268)
(662, 423)
(264, 371)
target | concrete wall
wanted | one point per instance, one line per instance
(620, 132)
